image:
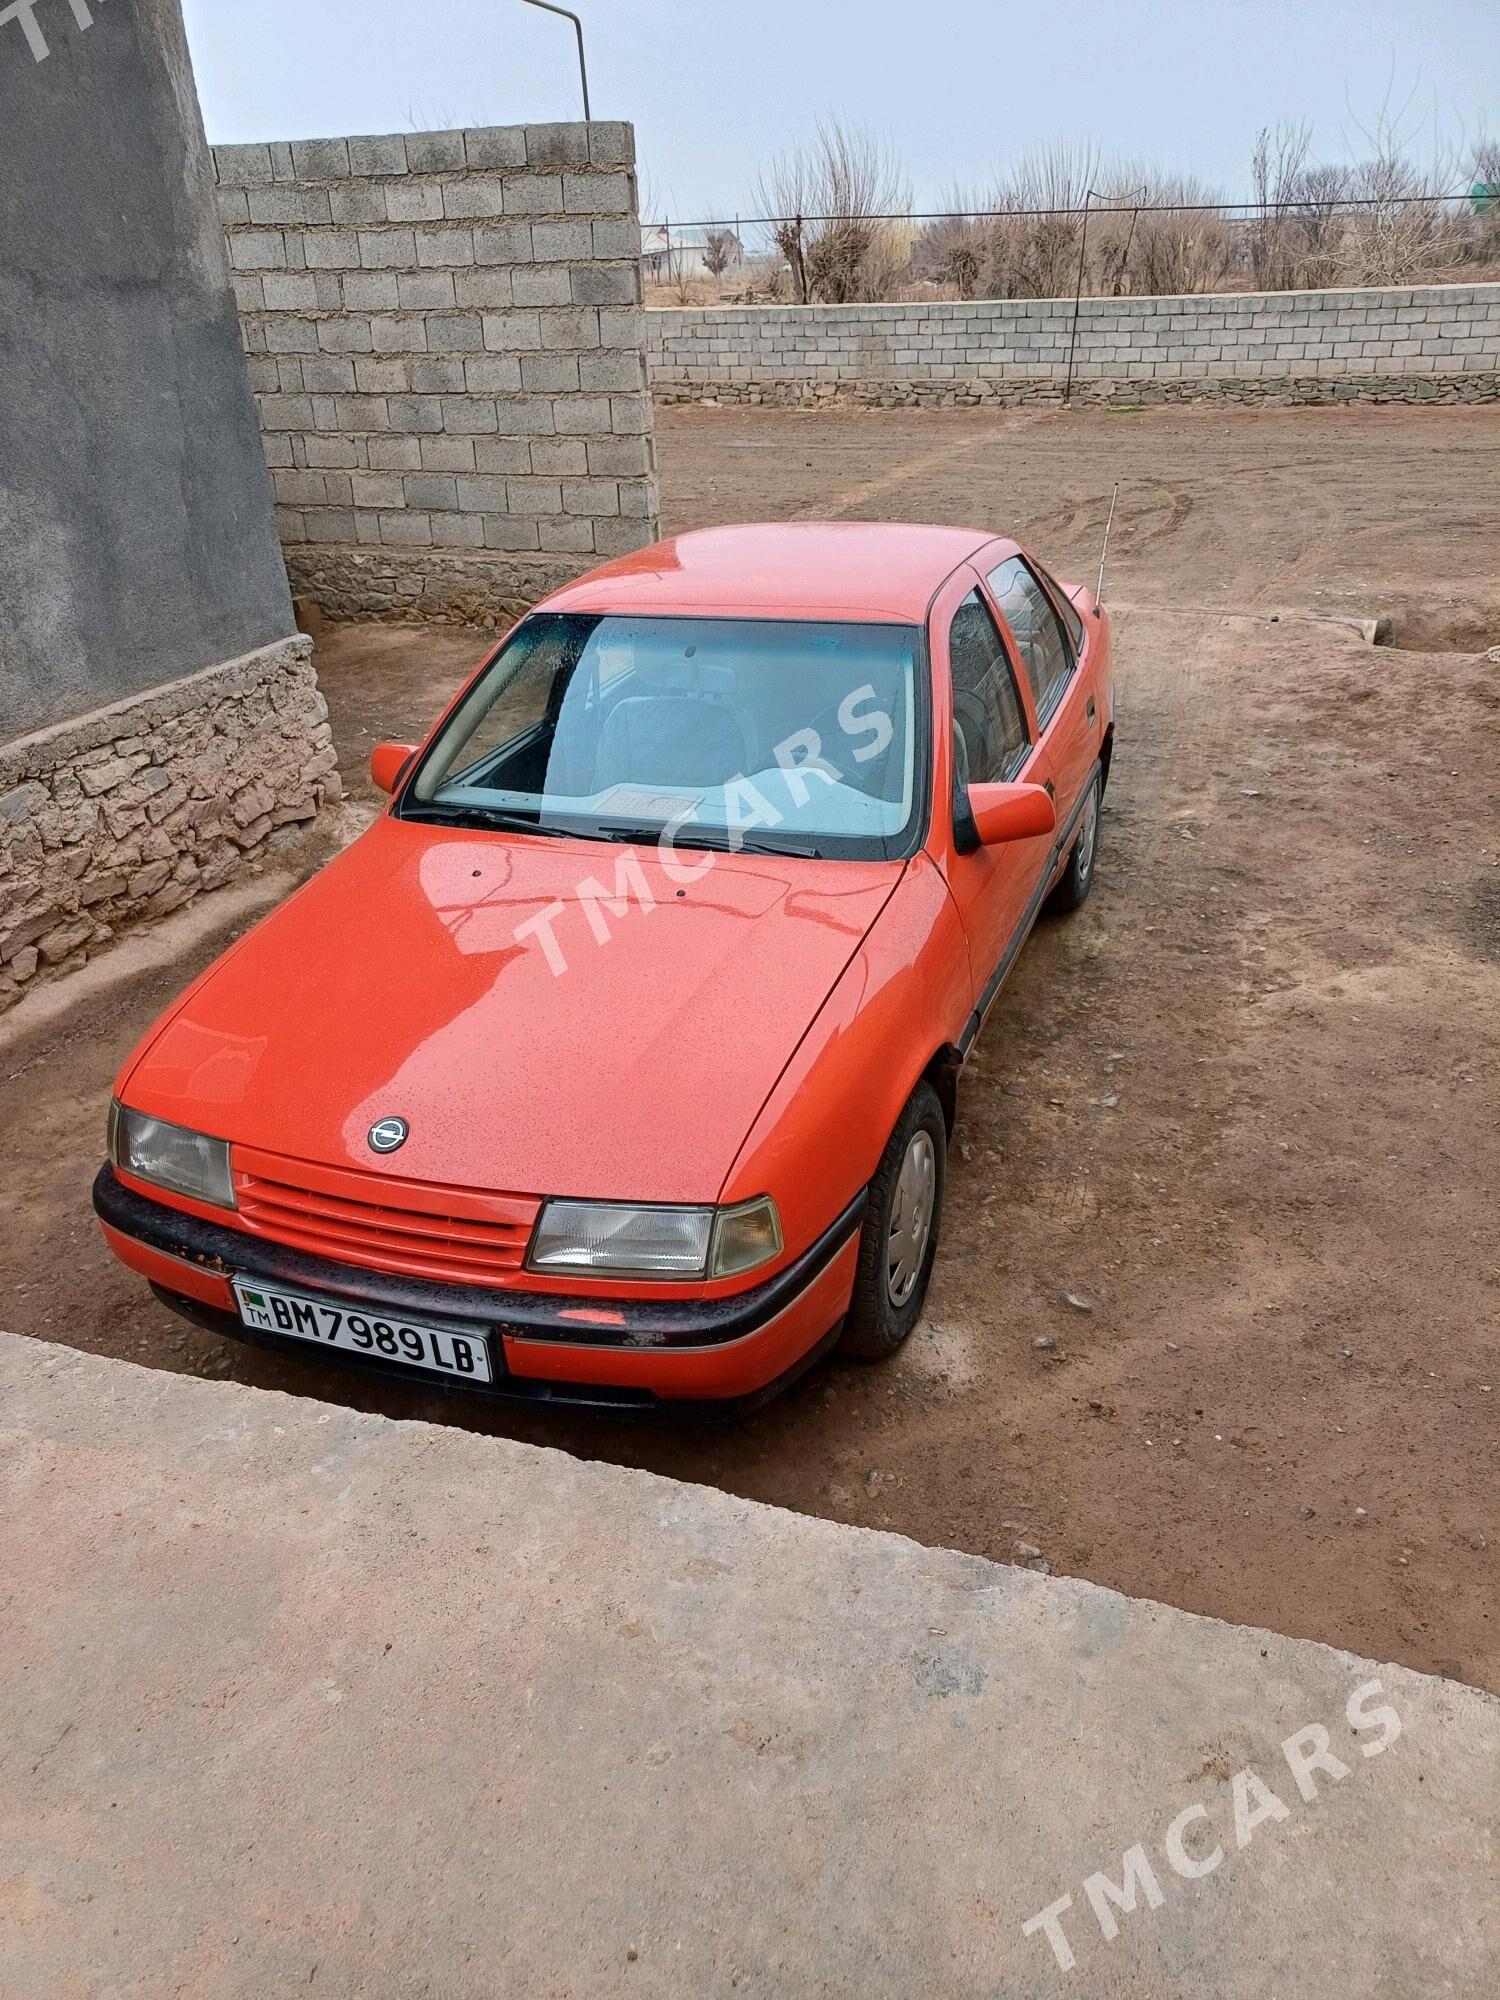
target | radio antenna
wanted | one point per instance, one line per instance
(1104, 552)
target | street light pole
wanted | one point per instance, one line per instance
(583, 74)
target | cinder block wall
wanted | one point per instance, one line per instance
(1424, 343)
(446, 338)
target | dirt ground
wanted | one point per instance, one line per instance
(1242, 1107)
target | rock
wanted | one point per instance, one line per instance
(1027, 1552)
(1306, 1513)
(21, 802)
(1077, 1304)
(146, 881)
(103, 777)
(1045, 1342)
(1041, 1565)
(1173, 1348)
(57, 944)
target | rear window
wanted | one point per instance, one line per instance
(1045, 650)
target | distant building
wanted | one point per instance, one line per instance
(670, 250)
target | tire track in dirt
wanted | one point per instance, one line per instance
(858, 497)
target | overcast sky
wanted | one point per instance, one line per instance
(715, 87)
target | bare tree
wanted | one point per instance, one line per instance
(1402, 229)
(1037, 230)
(834, 200)
(786, 190)
(1277, 168)
(1484, 200)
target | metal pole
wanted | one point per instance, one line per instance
(1104, 551)
(583, 74)
(1083, 244)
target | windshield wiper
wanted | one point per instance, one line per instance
(638, 836)
(484, 817)
(746, 844)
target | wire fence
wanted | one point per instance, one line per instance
(1102, 246)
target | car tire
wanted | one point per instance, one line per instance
(907, 1189)
(1077, 878)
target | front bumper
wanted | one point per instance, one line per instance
(619, 1353)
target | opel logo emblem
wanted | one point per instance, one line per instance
(387, 1134)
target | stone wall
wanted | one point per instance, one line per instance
(445, 335)
(125, 813)
(1427, 343)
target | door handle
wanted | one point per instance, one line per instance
(1049, 788)
(1088, 709)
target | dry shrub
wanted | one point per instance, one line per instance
(1380, 220)
(1181, 242)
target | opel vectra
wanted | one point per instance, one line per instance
(618, 1060)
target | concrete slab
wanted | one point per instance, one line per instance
(299, 1700)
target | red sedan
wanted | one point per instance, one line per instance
(618, 1059)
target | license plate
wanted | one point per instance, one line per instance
(330, 1323)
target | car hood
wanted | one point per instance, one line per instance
(394, 984)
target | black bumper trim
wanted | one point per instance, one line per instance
(589, 1398)
(678, 1325)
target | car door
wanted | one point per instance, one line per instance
(1048, 636)
(991, 742)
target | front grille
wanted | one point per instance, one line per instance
(452, 1235)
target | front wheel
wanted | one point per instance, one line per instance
(1078, 877)
(899, 1239)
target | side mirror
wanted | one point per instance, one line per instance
(388, 762)
(1011, 812)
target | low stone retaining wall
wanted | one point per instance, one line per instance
(438, 587)
(125, 813)
(1435, 343)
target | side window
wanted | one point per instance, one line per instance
(1040, 640)
(988, 720)
(1069, 612)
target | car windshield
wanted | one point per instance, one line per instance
(797, 735)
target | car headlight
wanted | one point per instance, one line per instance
(171, 1156)
(611, 1239)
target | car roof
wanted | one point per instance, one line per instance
(881, 570)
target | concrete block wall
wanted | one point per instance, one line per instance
(445, 335)
(1435, 342)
